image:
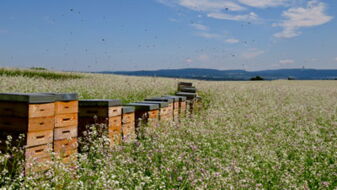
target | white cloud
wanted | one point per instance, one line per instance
(296, 18)
(264, 3)
(207, 35)
(223, 16)
(287, 62)
(200, 27)
(232, 41)
(188, 60)
(336, 58)
(252, 53)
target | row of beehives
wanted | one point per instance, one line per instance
(53, 122)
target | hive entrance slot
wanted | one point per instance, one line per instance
(65, 131)
(39, 150)
(41, 109)
(66, 119)
(41, 123)
(40, 137)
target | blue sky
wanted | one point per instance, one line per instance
(86, 35)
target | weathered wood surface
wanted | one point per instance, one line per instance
(65, 120)
(65, 132)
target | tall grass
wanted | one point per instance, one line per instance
(254, 135)
(39, 73)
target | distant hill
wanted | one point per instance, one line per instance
(219, 75)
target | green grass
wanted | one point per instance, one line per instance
(39, 73)
(253, 135)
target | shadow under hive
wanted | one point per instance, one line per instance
(165, 113)
(66, 124)
(33, 116)
(128, 124)
(101, 111)
(170, 108)
(145, 114)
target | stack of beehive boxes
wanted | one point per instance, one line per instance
(66, 124)
(170, 108)
(145, 114)
(101, 111)
(165, 113)
(181, 104)
(190, 92)
(128, 124)
(32, 115)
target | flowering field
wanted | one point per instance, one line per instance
(253, 135)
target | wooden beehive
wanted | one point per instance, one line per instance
(100, 111)
(170, 108)
(145, 114)
(66, 125)
(184, 85)
(181, 103)
(175, 106)
(31, 115)
(191, 98)
(164, 110)
(128, 124)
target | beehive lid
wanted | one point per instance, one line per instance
(64, 96)
(30, 98)
(128, 109)
(100, 103)
(180, 98)
(144, 107)
(188, 89)
(161, 99)
(188, 95)
(160, 103)
(175, 98)
(185, 84)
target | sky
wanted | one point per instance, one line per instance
(126, 35)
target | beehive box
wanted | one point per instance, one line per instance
(188, 89)
(164, 110)
(66, 124)
(170, 108)
(128, 124)
(33, 116)
(145, 114)
(184, 85)
(182, 104)
(191, 98)
(175, 106)
(101, 111)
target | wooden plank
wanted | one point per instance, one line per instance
(115, 136)
(154, 114)
(115, 122)
(41, 110)
(36, 158)
(128, 118)
(18, 124)
(65, 132)
(39, 138)
(65, 120)
(65, 145)
(115, 111)
(129, 132)
(66, 107)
